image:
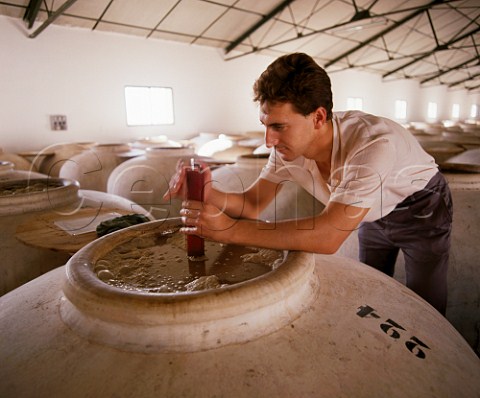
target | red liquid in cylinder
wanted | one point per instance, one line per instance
(195, 183)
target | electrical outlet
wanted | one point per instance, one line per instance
(58, 122)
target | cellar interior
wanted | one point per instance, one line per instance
(101, 100)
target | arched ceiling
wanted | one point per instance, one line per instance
(432, 41)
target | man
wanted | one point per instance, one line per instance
(370, 173)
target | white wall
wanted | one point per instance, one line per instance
(82, 74)
(379, 97)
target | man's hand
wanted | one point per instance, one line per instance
(177, 184)
(206, 220)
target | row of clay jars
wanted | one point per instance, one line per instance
(144, 180)
(50, 159)
(91, 164)
(64, 152)
(317, 326)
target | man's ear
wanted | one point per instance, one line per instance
(320, 116)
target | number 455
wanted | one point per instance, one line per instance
(394, 330)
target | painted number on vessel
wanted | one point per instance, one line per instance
(395, 331)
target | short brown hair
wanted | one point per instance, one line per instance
(295, 78)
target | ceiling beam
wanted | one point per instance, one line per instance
(463, 80)
(52, 18)
(437, 48)
(99, 19)
(257, 25)
(473, 88)
(443, 72)
(164, 17)
(31, 12)
(384, 32)
(329, 28)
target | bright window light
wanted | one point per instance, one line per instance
(455, 111)
(400, 109)
(147, 106)
(354, 103)
(474, 111)
(432, 110)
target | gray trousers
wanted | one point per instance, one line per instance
(420, 226)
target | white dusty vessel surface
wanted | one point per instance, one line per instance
(315, 326)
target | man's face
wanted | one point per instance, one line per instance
(286, 130)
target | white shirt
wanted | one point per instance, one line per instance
(376, 164)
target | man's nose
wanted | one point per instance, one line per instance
(271, 138)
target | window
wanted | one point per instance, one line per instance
(432, 110)
(354, 103)
(147, 106)
(455, 111)
(474, 111)
(400, 109)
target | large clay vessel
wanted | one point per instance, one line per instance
(155, 141)
(93, 166)
(467, 140)
(463, 309)
(316, 326)
(144, 179)
(21, 263)
(441, 150)
(434, 128)
(225, 148)
(291, 202)
(201, 139)
(20, 163)
(471, 127)
(468, 161)
(27, 201)
(59, 154)
(8, 172)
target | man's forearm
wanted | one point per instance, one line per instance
(233, 204)
(306, 235)
(323, 233)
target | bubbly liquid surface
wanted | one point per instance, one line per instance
(159, 264)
